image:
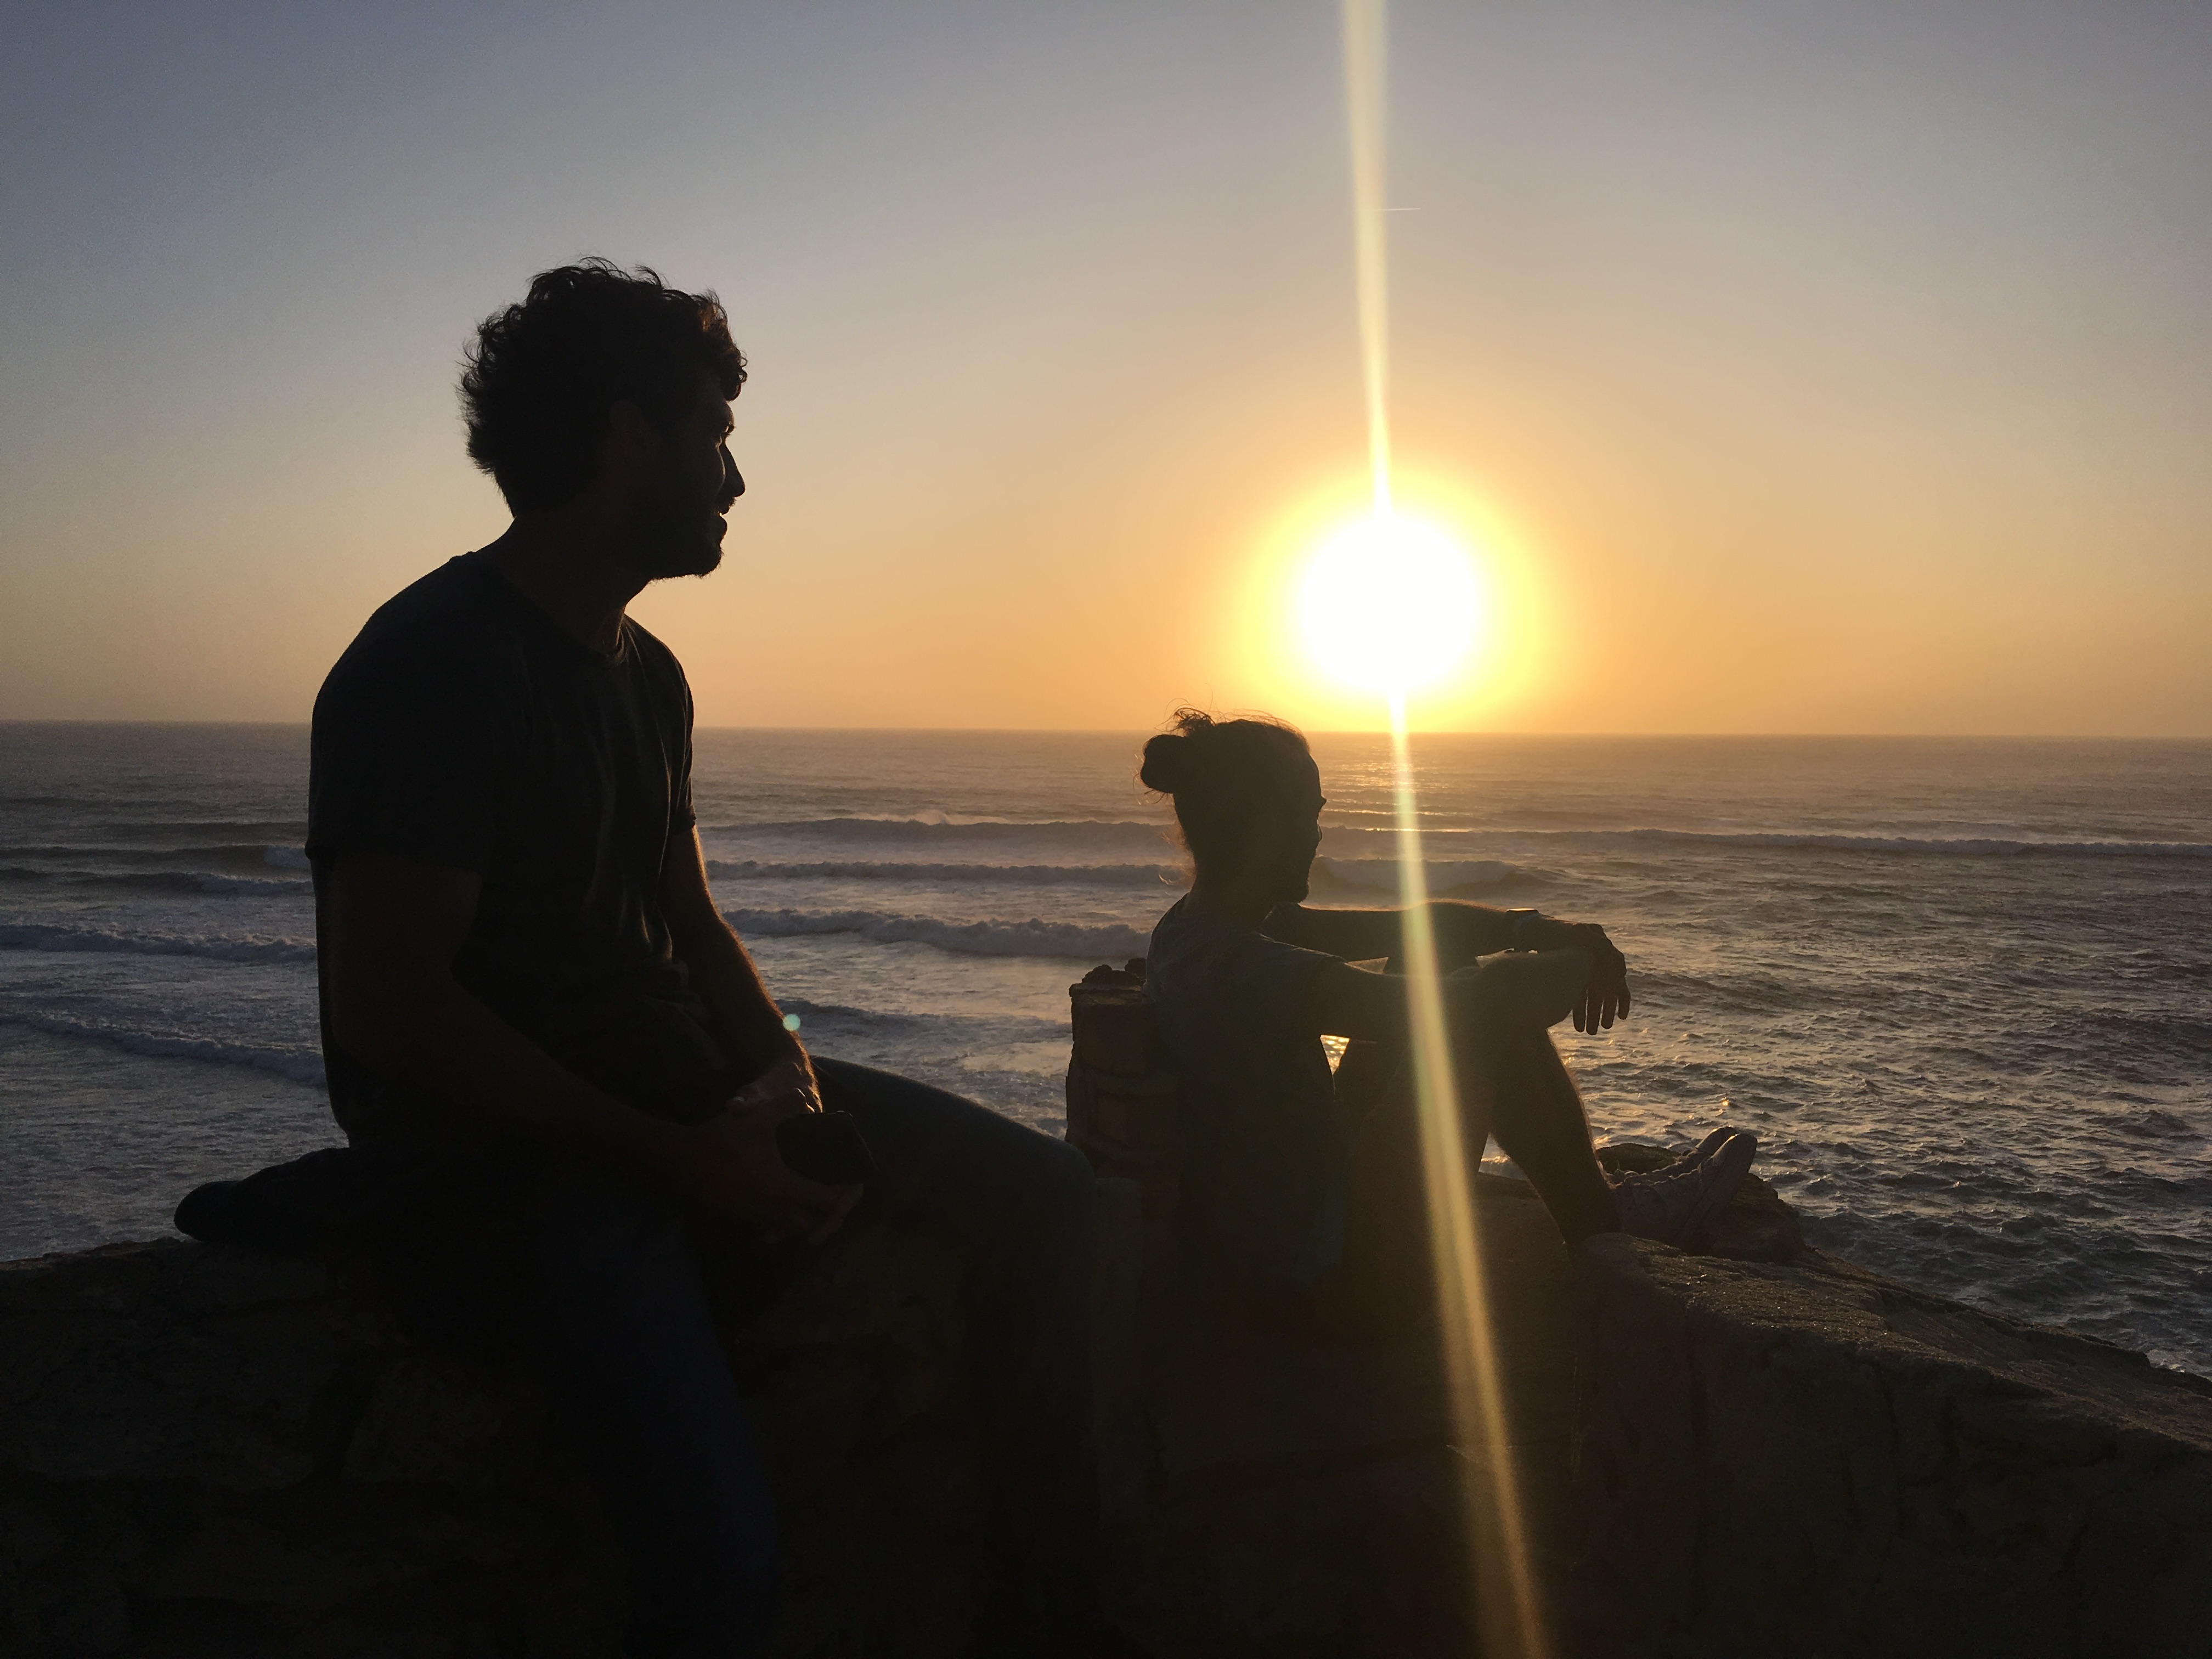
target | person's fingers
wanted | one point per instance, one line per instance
(812, 1200)
(836, 1217)
(815, 1222)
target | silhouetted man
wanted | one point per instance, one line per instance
(549, 1048)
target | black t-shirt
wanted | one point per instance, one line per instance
(464, 728)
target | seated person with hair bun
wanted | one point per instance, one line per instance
(1247, 980)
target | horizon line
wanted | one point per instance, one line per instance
(1309, 731)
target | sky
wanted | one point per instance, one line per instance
(1783, 367)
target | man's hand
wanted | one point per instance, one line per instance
(786, 1088)
(1605, 998)
(730, 1164)
(731, 1168)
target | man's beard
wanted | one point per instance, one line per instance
(669, 533)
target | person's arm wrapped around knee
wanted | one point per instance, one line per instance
(1520, 990)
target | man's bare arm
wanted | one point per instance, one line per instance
(722, 972)
(391, 928)
(1464, 932)
(1528, 990)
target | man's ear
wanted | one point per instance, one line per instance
(630, 436)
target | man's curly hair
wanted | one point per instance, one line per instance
(541, 376)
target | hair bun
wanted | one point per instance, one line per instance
(1167, 762)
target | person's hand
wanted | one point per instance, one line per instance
(730, 1165)
(785, 1089)
(1605, 997)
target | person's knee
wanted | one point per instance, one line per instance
(1055, 1172)
(1062, 1166)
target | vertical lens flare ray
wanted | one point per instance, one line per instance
(1496, 1527)
(1366, 64)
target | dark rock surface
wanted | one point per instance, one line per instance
(1717, 1455)
(207, 1452)
(1814, 1460)
(203, 1452)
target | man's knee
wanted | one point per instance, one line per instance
(1066, 1174)
(1047, 1171)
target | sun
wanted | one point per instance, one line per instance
(1391, 605)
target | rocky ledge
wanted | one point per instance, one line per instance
(207, 1452)
(1759, 1453)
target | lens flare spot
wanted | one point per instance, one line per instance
(1391, 605)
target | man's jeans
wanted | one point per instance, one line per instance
(621, 1330)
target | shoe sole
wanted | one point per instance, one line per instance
(1725, 1171)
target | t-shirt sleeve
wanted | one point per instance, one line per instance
(681, 816)
(1269, 980)
(412, 753)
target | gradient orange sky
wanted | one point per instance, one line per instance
(1839, 367)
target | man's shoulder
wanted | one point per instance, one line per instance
(459, 599)
(453, 617)
(652, 652)
(666, 688)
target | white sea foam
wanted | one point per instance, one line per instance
(1810, 840)
(254, 885)
(1032, 937)
(1090, 834)
(1140, 876)
(300, 1065)
(151, 881)
(1953, 847)
(48, 936)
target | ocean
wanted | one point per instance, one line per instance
(1962, 988)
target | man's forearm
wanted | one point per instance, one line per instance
(745, 1015)
(1465, 931)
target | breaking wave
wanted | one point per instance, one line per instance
(153, 881)
(1033, 938)
(1103, 834)
(1142, 876)
(1808, 841)
(300, 1065)
(47, 936)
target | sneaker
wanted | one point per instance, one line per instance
(1674, 1206)
(1702, 1150)
(1683, 1162)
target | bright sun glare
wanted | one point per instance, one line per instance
(1391, 605)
